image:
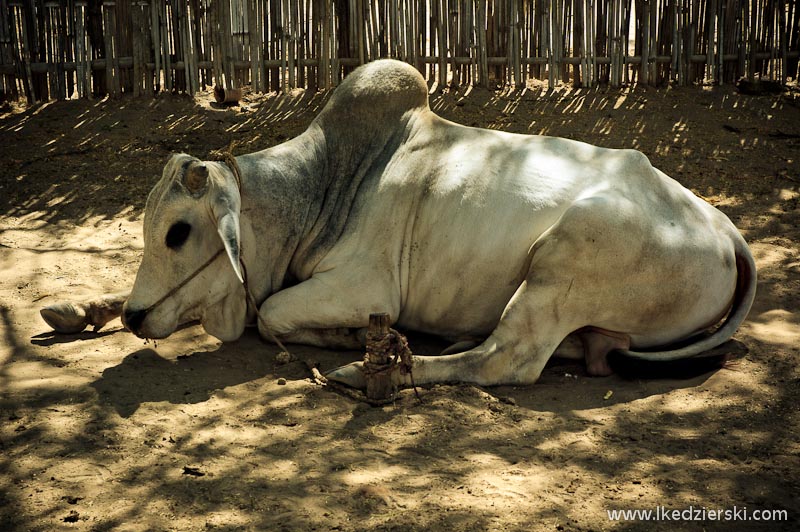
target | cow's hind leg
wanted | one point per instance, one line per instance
(575, 270)
(597, 344)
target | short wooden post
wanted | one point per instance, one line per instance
(379, 385)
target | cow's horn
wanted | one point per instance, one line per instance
(196, 177)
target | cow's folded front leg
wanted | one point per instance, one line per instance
(339, 338)
(70, 317)
(325, 311)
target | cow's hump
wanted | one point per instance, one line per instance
(379, 92)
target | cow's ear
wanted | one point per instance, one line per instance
(195, 178)
(228, 229)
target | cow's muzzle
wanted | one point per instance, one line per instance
(133, 319)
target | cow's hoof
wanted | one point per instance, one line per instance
(351, 375)
(65, 318)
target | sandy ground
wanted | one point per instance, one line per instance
(103, 432)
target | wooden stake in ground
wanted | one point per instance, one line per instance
(387, 353)
(379, 382)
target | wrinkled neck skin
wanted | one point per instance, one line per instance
(281, 187)
(295, 208)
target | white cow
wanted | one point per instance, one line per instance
(515, 247)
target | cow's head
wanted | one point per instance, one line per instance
(192, 214)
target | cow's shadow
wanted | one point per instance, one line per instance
(565, 385)
(145, 376)
(51, 338)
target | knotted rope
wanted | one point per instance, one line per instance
(392, 346)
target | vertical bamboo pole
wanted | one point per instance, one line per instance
(263, 36)
(720, 71)
(8, 83)
(768, 38)
(751, 66)
(112, 82)
(252, 19)
(558, 39)
(432, 43)
(515, 28)
(229, 48)
(297, 41)
(114, 30)
(784, 36)
(547, 18)
(675, 72)
(413, 30)
(469, 26)
(324, 70)
(194, 35)
(623, 41)
(482, 57)
(87, 56)
(613, 43)
(588, 44)
(653, 47)
(166, 34)
(741, 39)
(137, 66)
(148, 47)
(48, 33)
(138, 43)
(369, 30)
(198, 32)
(334, 46)
(644, 73)
(692, 40)
(592, 24)
(80, 47)
(419, 38)
(62, 50)
(626, 36)
(291, 51)
(25, 52)
(182, 28)
(442, 35)
(391, 29)
(155, 11)
(605, 38)
(188, 49)
(358, 20)
(793, 38)
(578, 43)
(284, 46)
(204, 40)
(458, 38)
(710, 40)
(313, 44)
(409, 23)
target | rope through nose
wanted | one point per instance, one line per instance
(183, 283)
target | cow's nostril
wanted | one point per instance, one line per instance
(132, 319)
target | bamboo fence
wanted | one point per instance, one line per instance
(92, 48)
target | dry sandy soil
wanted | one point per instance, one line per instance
(103, 432)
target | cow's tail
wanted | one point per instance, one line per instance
(742, 301)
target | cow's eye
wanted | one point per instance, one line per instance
(178, 234)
